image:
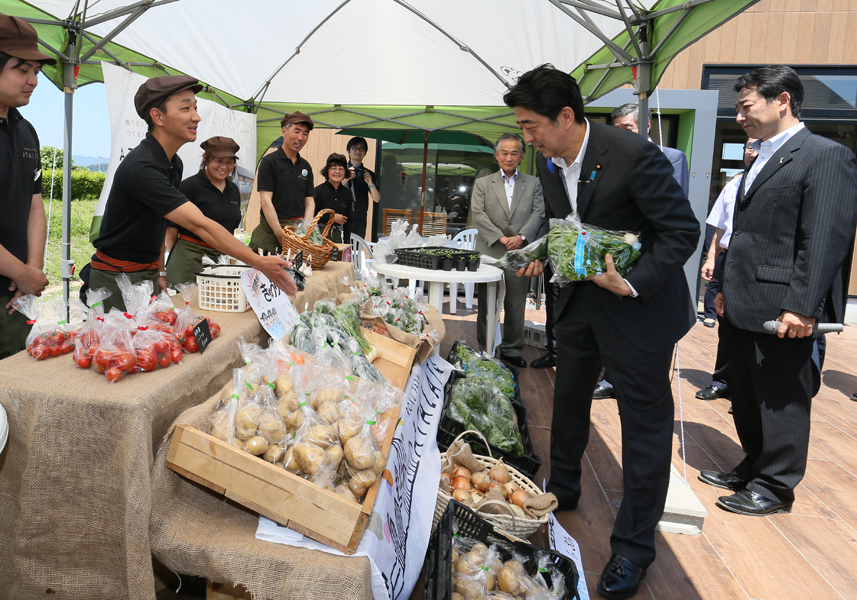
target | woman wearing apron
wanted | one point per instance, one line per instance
(333, 195)
(217, 196)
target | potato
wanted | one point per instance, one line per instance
(329, 412)
(256, 446)
(361, 482)
(237, 443)
(467, 566)
(288, 402)
(348, 427)
(321, 435)
(359, 454)
(456, 596)
(334, 455)
(221, 428)
(274, 453)
(345, 492)
(507, 579)
(283, 384)
(325, 395)
(246, 421)
(290, 461)
(310, 457)
(271, 427)
(380, 463)
(294, 420)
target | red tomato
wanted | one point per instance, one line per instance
(83, 361)
(53, 350)
(176, 354)
(125, 361)
(39, 352)
(161, 346)
(191, 345)
(114, 374)
(147, 359)
(165, 360)
(215, 330)
(102, 358)
(66, 347)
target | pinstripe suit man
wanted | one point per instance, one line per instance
(793, 228)
(507, 208)
(616, 180)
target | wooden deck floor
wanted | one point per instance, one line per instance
(810, 553)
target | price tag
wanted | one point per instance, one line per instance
(275, 310)
(202, 333)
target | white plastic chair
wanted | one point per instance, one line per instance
(468, 242)
(4, 428)
(359, 260)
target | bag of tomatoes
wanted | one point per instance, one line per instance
(51, 334)
(155, 349)
(186, 320)
(115, 356)
(89, 335)
(163, 311)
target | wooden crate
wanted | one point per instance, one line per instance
(271, 490)
(395, 361)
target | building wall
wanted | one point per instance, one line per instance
(795, 32)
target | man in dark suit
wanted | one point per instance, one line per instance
(619, 181)
(792, 233)
(507, 209)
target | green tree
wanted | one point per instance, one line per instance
(47, 154)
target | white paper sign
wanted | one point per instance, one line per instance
(397, 536)
(274, 308)
(127, 130)
(563, 543)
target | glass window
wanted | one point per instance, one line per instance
(732, 151)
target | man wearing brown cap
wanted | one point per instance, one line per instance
(145, 195)
(22, 214)
(285, 185)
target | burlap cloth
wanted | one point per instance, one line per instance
(75, 477)
(197, 531)
(425, 346)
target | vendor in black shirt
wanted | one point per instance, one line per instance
(22, 213)
(285, 185)
(145, 195)
(364, 185)
(335, 196)
(216, 195)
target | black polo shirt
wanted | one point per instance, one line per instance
(222, 207)
(289, 182)
(20, 179)
(145, 189)
(339, 199)
(361, 199)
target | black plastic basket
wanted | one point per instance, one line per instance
(453, 259)
(438, 564)
(516, 374)
(528, 463)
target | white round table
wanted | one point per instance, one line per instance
(437, 278)
(4, 428)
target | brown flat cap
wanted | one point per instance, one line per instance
(19, 39)
(153, 92)
(220, 147)
(296, 117)
(337, 158)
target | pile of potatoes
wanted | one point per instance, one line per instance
(312, 437)
(481, 573)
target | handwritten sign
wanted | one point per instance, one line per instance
(271, 304)
(563, 543)
(202, 333)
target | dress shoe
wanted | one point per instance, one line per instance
(712, 392)
(709, 322)
(621, 578)
(748, 502)
(602, 393)
(853, 396)
(727, 481)
(516, 361)
(545, 362)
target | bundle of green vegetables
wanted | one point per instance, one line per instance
(487, 410)
(481, 366)
(395, 305)
(513, 260)
(577, 250)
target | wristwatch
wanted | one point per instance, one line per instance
(162, 273)
(522, 236)
(372, 187)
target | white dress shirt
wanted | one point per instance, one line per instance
(766, 150)
(509, 184)
(721, 214)
(571, 173)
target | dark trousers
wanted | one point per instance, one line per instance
(711, 288)
(586, 341)
(551, 299)
(772, 388)
(720, 377)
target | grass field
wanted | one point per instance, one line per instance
(81, 249)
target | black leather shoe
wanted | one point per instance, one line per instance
(712, 392)
(727, 481)
(545, 362)
(853, 396)
(602, 393)
(516, 361)
(747, 502)
(620, 579)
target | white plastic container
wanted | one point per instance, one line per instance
(220, 288)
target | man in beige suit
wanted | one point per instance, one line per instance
(507, 208)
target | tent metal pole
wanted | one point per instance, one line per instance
(669, 33)
(423, 188)
(643, 85)
(620, 54)
(66, 264)
(116, 31)
(125, 10)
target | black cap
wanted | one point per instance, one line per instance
(220, 147)
(19, 39)
(153, 92)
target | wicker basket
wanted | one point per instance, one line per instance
(300, 243)
(521, 528)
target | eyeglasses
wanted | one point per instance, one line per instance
(358, 149)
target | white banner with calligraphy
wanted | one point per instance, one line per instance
(397, 537)
(275, 310)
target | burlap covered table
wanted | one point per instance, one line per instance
(196, 531)
(75, 477)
